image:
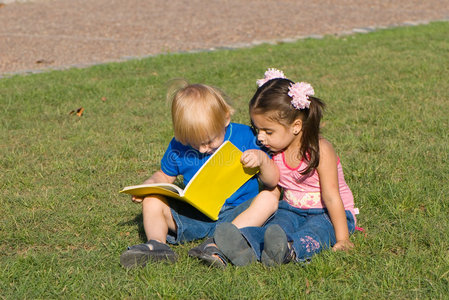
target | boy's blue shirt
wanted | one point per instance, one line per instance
(184, 160)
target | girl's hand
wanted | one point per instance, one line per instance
(344, 245)
(252, 158)
(137, 199)
(269, 172)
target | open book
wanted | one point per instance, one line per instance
(219, 177)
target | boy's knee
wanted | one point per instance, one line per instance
(155, 202)
(274, 206)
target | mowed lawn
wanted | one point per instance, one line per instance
(64, 225)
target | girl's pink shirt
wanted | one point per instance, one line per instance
(303, 191)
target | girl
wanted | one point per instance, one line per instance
(317, 207)
(201, 122)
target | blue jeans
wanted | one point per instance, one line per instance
(310, 230)
(193, 225)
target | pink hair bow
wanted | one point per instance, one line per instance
(300, 93)
(271, 73)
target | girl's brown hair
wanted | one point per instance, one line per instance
(199, 112)
(272, 99)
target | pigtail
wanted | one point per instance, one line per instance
(290, 101)
(310, 139)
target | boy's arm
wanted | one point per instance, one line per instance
(158, 177)
(269, 172)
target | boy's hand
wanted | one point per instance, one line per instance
(252, 158)
(137, 199)
(344, 245)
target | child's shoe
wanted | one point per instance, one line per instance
(276, 249)
(233, 245)
(209, 254)
(139, 255)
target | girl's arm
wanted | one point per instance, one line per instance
(269, 172)
(262, 207)
(327, 170)
(158, 177)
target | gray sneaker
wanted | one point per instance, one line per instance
(276, 249)
(233, 245)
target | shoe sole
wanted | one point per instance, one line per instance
(275, 246)
(233, 245)
(131, 258)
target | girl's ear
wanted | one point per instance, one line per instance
(296, 126)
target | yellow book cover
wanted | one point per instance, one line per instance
(219, 177)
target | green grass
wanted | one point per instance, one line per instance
(63, 224)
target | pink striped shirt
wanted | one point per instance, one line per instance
(304, 191)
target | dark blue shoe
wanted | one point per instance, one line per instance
(209, 254)
(139, 255)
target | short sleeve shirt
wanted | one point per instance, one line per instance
(184, 160)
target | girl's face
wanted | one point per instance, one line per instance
(273, 135)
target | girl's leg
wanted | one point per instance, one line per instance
(157, 218)
(316, 235)
(285, 217)
(282, 245)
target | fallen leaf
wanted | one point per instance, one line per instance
(43, 61)
(78, 112)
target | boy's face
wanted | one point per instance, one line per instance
(209, 145)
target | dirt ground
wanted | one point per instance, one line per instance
(41, 34)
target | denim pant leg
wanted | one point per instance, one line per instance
(254, 237)
(315, 235)
(229, 213)
(192, 225)
(310, 230)
(284, 217)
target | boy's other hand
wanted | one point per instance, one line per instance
(136, 199)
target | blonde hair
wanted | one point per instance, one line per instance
(199, 112)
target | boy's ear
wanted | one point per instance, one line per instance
(228, 119)
(297, 126)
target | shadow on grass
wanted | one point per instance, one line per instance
(138, 220)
